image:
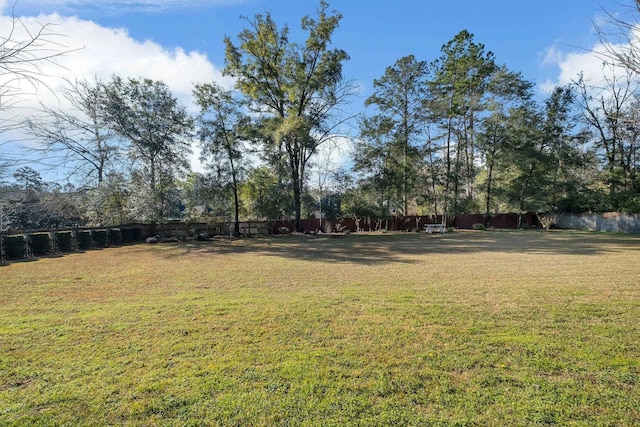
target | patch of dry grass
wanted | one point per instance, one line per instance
(468, 328)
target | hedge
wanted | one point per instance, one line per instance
(19, 246)
(131, 234)
(16, 247)
(115, 236)
(127, 235)
(40, 243)
(65, 240)
(99, 238)
(84, 239)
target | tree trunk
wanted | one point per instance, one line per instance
(297, 199)
(489, 183)
(236, 200)
(447, 187)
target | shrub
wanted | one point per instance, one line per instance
(115, 236)
(40, 243)
(16, 247)
(479, 226)
(84, 239)
(339, 228)
(64, 239)
(548, 219)
(130, 234)
(99, 238)
(126, 235)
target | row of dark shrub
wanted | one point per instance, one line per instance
(22, 246)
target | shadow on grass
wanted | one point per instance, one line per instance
(401, 247)
(43, 256)
(19, 260)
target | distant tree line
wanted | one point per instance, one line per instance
(456, 134)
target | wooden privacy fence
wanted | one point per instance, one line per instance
(504, 220)
(412, 223)
(357, 224)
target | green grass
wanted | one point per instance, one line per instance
(468, 328)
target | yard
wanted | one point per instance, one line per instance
(467, 328)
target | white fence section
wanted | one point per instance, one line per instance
(613, 222)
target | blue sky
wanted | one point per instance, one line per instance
(374, 33)
(181, 41)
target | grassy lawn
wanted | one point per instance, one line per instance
(468, 328)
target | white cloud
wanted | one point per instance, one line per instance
(590, 63)
(570, 65)
(96, 51)
(620, 31)
(93, 52)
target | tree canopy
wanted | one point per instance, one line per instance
(453, 134)
(295, 87)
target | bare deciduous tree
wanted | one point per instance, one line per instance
(619, 36)
(24, 51)
(78, 137)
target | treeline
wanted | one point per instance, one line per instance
(456, 134)
(463, 134)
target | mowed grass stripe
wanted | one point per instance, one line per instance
(468, 328)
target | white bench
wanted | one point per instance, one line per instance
(430, 228)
